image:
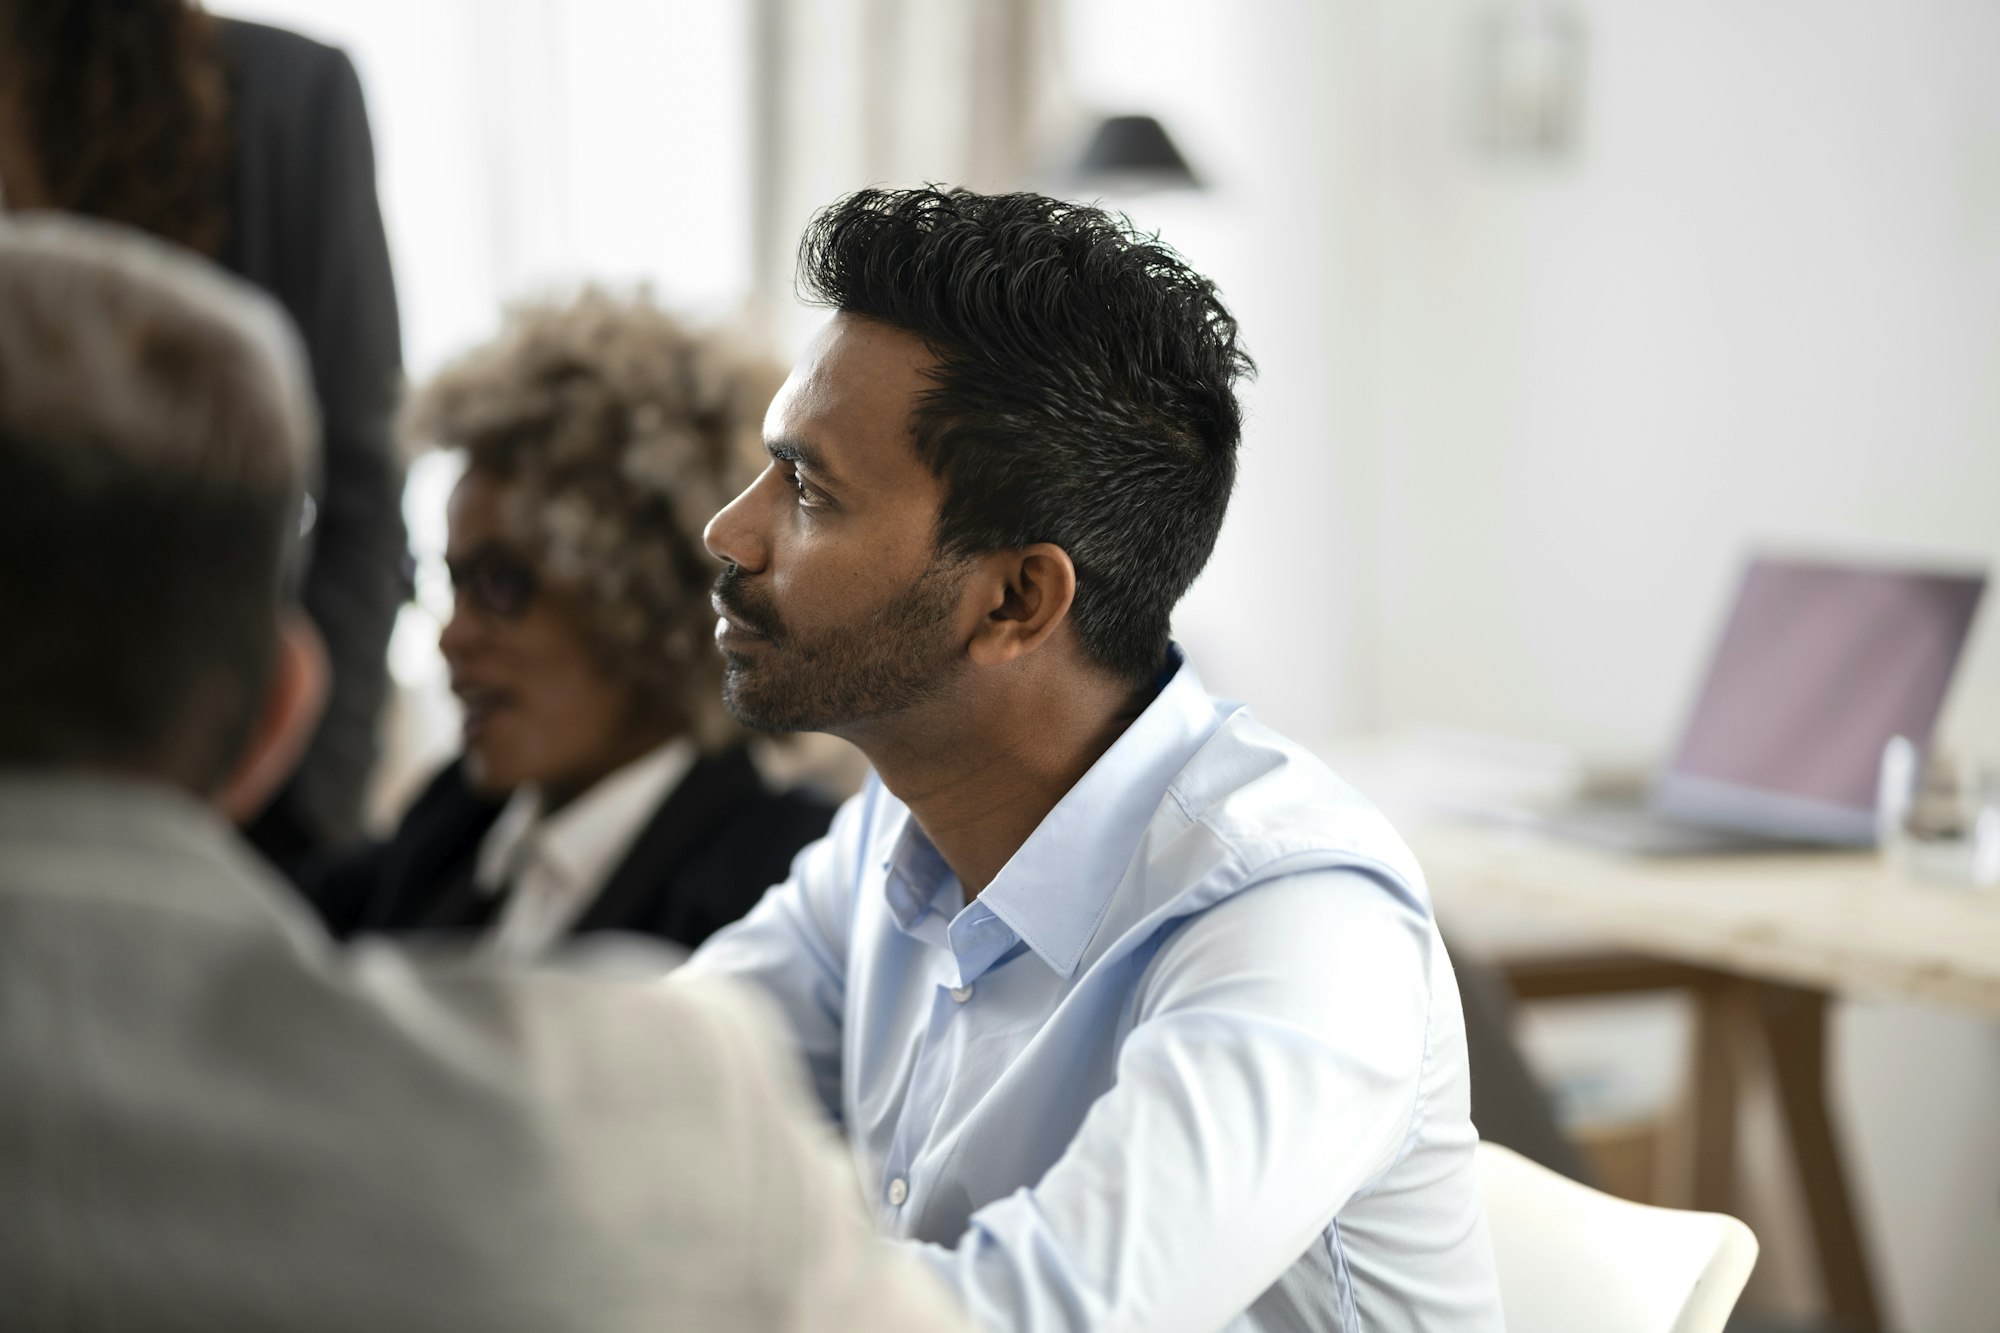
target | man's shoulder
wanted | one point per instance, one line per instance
(540, 1137)
(598, 1031)
(1265, 800)
(1250, 808)
(610, 1116)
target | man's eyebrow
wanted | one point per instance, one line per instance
(799, 452)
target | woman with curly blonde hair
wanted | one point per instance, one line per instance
(602, 785)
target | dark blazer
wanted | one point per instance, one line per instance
(305, 226)
(705, 857)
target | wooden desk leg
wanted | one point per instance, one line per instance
(1725, 1012)
(1793, 1022)
(1699, 1150)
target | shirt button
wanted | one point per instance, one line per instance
(961, 993)
(899, 1190)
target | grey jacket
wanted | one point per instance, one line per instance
(210, 1118)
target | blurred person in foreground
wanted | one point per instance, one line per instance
(250, 146)
(213, 1117)
(1134, 1015)
(603, 784)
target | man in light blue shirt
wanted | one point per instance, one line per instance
(1134, 1015)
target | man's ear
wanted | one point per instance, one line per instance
(292, 708)
(1031, 590)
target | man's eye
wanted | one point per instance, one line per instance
(799, 487)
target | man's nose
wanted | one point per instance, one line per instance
(734, 535)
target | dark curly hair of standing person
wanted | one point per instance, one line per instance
(117, 109)
(1084, 388)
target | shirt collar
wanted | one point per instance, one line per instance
(918, 879)
(1055, 889)
(582, 842)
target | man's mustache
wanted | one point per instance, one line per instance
(735, 594)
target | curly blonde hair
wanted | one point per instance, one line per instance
(619, 431)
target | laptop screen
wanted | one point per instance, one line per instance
(1818, 665)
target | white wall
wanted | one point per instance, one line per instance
(529, 144)
(1762, 306)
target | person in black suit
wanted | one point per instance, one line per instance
(250, 146)
(602, 785)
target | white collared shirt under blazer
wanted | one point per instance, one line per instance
(553, 866)
(211, 1118)
(1194, 1060)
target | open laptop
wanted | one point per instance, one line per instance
(1818, 665)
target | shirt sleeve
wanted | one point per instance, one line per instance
(1272, 1073)
(793, 945)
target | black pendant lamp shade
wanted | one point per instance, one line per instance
(1135, 149)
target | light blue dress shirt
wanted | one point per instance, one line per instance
(1193, 1060)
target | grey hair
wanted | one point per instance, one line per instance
(619, 431)
(157, 428)
(85, 351)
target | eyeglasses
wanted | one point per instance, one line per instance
(498, 581)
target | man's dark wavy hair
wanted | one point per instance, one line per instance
(1084, 388)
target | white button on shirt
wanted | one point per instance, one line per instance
(552, 868)
(1216, 1078)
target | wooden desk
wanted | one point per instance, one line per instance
(1760, 943)
(1837, 922)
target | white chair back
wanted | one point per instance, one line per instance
(1575, 1260)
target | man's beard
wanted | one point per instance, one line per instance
(899, 656)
